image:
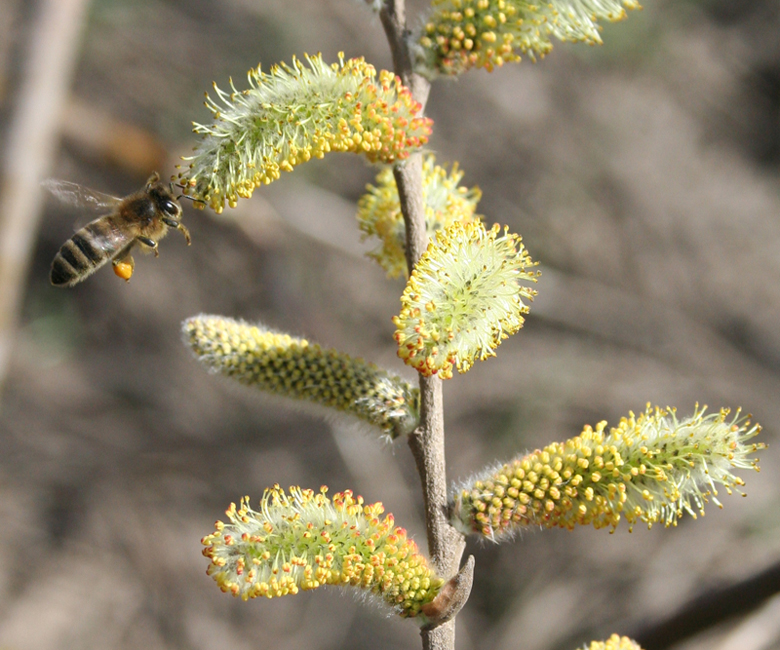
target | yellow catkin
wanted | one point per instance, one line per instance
(302, 540)
(464, 34)
(658, 467)
(445, 202)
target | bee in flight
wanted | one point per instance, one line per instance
(142, 218)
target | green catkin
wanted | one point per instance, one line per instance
(295, 368)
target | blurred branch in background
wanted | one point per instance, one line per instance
(49, 62)
(8, 20)
(664, 332)
(110, 140)
(716, 606)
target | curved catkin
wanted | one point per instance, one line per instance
(302, 540)
(295, 113)
(445, 202)
(464, 297)
(293, 367)
(462, 34)
(649, 468)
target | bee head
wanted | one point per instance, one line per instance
(162, 197)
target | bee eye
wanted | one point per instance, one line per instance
(170, 208)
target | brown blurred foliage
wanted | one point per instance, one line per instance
(643, 174)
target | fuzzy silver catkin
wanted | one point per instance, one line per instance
(464, 297)
(295, 113)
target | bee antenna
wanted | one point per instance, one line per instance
(152, 180)
(191, 198)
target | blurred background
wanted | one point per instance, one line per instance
(643, 174)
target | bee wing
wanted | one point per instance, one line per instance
(79, 196)
(104, 233)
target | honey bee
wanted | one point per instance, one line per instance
(142, 218)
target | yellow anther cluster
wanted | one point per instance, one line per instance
(649, 468)
(463, 298)
(445, 201)
(614, 642)
(302, 540)
(293, 367)
(296, 113)
(464, 34)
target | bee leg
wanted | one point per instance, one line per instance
(146, 241)
(186, 233)
(179, 226)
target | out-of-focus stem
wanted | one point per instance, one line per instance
(445, 544)
(33, 132)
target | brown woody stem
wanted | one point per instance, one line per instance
(445, 544)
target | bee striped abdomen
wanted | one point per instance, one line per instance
(77, 259)
(94, 255)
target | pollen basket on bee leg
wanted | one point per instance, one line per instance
(124, 269)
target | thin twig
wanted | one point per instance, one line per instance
(445, 544)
